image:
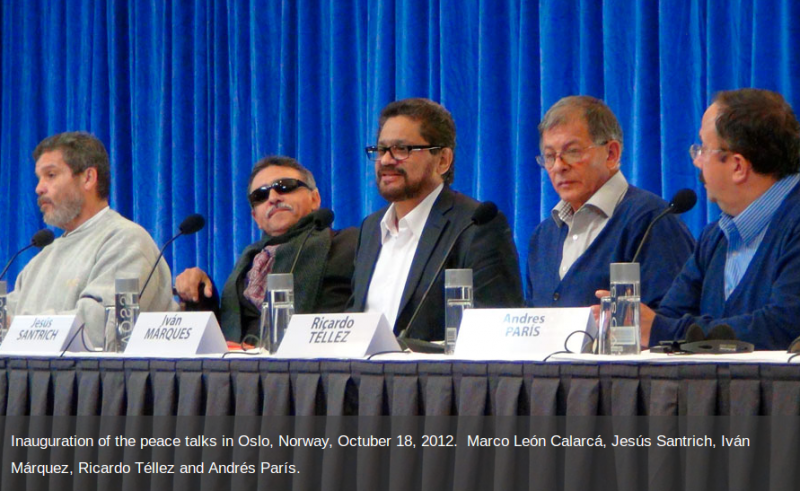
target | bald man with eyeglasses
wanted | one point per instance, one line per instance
(600, 218)
(284, 202)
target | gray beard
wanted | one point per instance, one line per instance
(66, 212)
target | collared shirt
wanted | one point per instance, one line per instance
(399, 240)
(746, 230)
(590, 219)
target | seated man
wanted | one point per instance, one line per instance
(75, 275)
(600, 219)
(745, 271)
(401, 246)
(284, 201)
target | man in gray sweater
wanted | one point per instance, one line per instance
(75, 275)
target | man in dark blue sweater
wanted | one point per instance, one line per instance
(745, 271)
(601, 218)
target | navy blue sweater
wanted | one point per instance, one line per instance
(662, 257)
(764, 309)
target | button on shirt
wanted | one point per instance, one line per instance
(590, 219)
(746, 230)
(399, 240)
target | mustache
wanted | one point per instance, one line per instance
(42, 200)
(280, 205)
(392, 169)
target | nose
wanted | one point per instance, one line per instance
(558, 163)
(387, 158)
(274, 197)
(40, 188)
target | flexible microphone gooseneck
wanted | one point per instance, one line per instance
(322, 220)
(683, 201)
(191, 225)
(40, 239)
(484, 213)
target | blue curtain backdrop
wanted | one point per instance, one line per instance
(187, 95)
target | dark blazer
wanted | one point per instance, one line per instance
(322, 276)
(488, 250)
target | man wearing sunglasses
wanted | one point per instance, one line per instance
(284, 202)
(401, 246)
(745, 271)
(600, 218)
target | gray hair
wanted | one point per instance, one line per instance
(603, 125)
(282, 161)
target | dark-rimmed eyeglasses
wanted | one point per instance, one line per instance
(281, 186)
(398, 152)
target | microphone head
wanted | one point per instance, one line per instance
(683, 201)
(42, 238)
(484, 213)
(722, 332)
(324, 218)
(192, 224)
(694, 334)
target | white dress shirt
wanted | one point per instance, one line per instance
(399, 240)
(590, 219)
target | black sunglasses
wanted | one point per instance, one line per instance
(281, 186)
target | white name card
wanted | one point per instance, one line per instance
(350, 335)
(44, 334)
(176, 334)
(502, 334)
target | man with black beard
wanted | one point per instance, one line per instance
(401, 246)
(76, 274)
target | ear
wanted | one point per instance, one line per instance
(315, 199)
(445, 161)
(741, 168)
(89, 179)
(614, 154)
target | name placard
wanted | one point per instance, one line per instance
(350, 335)
(44, 334)
(176, 334)
(502, 334)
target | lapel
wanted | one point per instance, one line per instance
(367, 258)
(427, 252)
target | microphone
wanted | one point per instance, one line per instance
(323, 219)
(484, 213)
(683, 201)
(40, 239)
(190, 225)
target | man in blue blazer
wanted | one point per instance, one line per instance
(401, 247)
(745, 271)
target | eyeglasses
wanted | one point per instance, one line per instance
(570, 157)
(697, 151)
(398, 152)
(281, 186)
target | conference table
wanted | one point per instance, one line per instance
(406, 421)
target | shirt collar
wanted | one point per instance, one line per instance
(749, 223)
(413, 221)
(604, 200)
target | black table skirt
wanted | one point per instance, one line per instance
(761, 401)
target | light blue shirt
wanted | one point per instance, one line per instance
(746, 230)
